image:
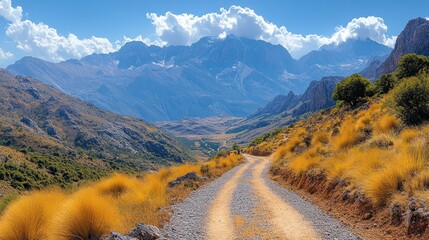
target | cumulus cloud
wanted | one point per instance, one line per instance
(8, 12)
(185, 29)
(44, 41)
(5, 55)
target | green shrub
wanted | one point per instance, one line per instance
(411, 64)
(352, 89)
(385, 83)
(411, 100)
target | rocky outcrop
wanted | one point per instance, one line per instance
(317, 96)
(279, 104)
(413, 39)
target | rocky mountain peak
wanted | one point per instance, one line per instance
(413, 39)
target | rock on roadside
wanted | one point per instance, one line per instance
(140, 232)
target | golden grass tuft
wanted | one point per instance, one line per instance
(87, 215)
(386, 123)
(320, 137)
(348, 136)
(116, 185)
(363, 122)
(303, 162)
(30, 217)
(380, 185)
(287, 148)
(407, 135)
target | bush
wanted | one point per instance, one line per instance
(411, 64)
(385, 83)
(352, 89)
(411, 100)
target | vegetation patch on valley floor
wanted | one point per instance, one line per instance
(370, 153)
(116, 203)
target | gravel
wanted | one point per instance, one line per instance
(325, 225)
(188, 219)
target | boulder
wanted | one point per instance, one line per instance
(145, 232)
(191, 176)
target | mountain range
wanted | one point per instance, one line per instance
(212, 77)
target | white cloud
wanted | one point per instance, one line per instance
(5, 55)
(44, 41)
(185, 29)
(8, 12)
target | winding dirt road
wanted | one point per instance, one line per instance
(246, 204)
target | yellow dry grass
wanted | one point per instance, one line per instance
(367, 151)
(31, 217)
(348, 135)
(115, 203)
(386, 123)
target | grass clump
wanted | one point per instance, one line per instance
(87, 215)
(348, 136)
(31, 216)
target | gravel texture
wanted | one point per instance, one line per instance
(189, 217)
(325, 225)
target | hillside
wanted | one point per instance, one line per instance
(366, 163)
(47, 137)
(232, 76)
(285, 109)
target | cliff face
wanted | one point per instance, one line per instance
(413, 39)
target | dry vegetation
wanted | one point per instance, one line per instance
(115, 203)
(367, 147)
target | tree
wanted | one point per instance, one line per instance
(236, 147)
(411, 64)
(385, 83)
(352, 89)
(411, 100)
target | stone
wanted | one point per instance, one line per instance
(396, 214)
(367, 216)
(189, 176)
(118, 236)
(145, 232)
(416, 221)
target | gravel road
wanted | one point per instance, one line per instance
(245, 204)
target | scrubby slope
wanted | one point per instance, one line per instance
(367, 157)
(48, 138)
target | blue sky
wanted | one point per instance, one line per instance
(56, 30)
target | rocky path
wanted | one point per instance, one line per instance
(245, 204)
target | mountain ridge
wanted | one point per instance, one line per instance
(413, 39)
(231, 76)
